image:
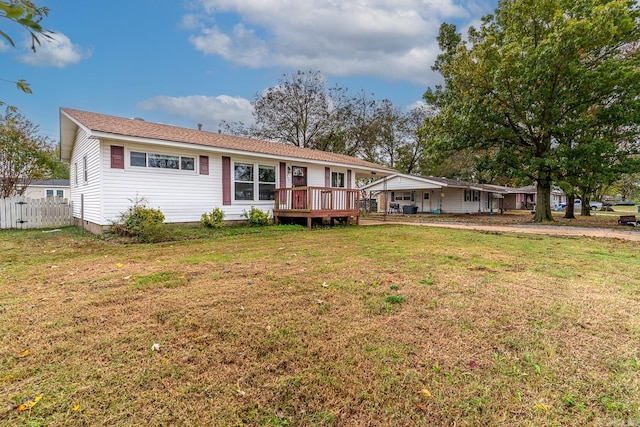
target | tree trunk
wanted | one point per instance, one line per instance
(586, 207)
(570, 211)
(543, 202)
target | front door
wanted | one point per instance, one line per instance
(299, 179)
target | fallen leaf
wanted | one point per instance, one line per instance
(542, 406)
(119, 265)
(76, 407)
(7, 378)
(23, 353)
(426, 393)
(28, 403)
(473, 364)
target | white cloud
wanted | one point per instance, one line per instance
(58, 51)
(383, 38)
(208, 110)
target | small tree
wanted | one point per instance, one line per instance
(141, 223)
(213, 219)
(256, 217)
(25, 156)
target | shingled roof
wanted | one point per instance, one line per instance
(119, 126)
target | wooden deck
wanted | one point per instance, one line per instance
(317, 202)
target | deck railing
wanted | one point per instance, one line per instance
(311, 199)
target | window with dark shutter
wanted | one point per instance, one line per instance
(204, 165)
(327, 177)
(117, 157)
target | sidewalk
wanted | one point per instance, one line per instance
(629, 233)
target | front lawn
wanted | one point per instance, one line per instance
(357, 326)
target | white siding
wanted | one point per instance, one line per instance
(182, 196)
(40, 192)
(91, 190)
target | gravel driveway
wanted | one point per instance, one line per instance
(625, 232)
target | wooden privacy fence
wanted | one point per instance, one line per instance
(20, 212)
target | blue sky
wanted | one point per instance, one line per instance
(185, 62)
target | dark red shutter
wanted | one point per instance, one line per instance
(117, 157)
(226, 180)
(283, 181)
(204, 165)
(327, 177)
(348, 178)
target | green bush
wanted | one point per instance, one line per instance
(141, 222)
(213, 219)
(256, 217)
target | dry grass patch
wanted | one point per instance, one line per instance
(354, 326)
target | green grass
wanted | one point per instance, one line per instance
(390, 325)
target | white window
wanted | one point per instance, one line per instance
(75, 173)
(471, 195)
(426, 196)
(245, 183)
(85, 169)
(337, 179)
(138, 159)
(403, 195)
(267, 182)
(51, 192)
(161, 161)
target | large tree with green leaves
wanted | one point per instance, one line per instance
(534, 77)
(25, 155)
(27, 15)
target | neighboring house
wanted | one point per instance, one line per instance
(527, 197)
(58, 188)
(409, 193)
(427, 194)
(521, 198)
(187, 172)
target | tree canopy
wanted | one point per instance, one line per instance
(302, 111)
(539, 85)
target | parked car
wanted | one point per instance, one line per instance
(577, 205)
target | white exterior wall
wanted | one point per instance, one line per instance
(182, 196)
(453, 202)
(40, 192)
(90, 188)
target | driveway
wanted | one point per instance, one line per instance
(624, 233)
